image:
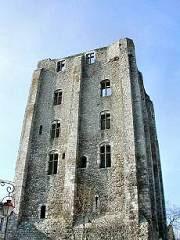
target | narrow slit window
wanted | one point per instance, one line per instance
(55, 129)
(60, 66)
(1, 223)
(105, 156)
(105, 120)
(52, 163)
(40, 129)
(63, 155)
(90, 58)
(105, 88)
(96, 202)
(58, 97)
(43, 212)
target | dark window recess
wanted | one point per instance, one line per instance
(60, 66)
(43, 211)
(63, 156)
(53, 163)
(57, 97)
(83, 162)
(55, 129)
(40, 129)
(96, 202)
(105, 156)
(105, 120)
(1, 223)
(90, 58)
(105, 88)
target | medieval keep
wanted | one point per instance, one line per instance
(88, 165)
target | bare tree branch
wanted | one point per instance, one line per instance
(173, 216)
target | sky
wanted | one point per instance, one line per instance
(38, 29)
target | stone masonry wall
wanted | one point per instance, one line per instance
(128, 192)
(161, 213)
(151, 197)
(116, 187)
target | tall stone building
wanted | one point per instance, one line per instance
(88, 162)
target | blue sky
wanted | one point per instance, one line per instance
(33, 30)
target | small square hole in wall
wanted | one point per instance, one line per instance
(63, 155)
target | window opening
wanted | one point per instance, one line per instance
(63, 156)
(43, 211)
(105, 88)
(57, 97)
(55, 129)
(105, 156)
(60, 66)
(97, 201)
(53, 163)
(105, 120)
(1, 223)
(90, 58)
(83, 162)
(40, 129)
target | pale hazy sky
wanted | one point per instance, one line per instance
(33, 30)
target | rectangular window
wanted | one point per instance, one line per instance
(83, 162)
(108, 156)
(43, 212)
(105, 88)
(55, 130)
(102, 157)
(60, 66)
(105, 120)
(57, 97)
(90, 58)
(52, 164)
(105, 156)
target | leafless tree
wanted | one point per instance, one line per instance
(173, 219)
(173, 216)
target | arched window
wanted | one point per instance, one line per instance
(52, 163)
(83, 162)
(55, 129)
(105, 120)
(58, 97)
(43, 211)
(105, 88)
(105, 156)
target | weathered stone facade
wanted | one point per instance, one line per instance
(122, 201)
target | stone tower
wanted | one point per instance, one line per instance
(88, 163)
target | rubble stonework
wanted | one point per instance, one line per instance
(124, 201)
